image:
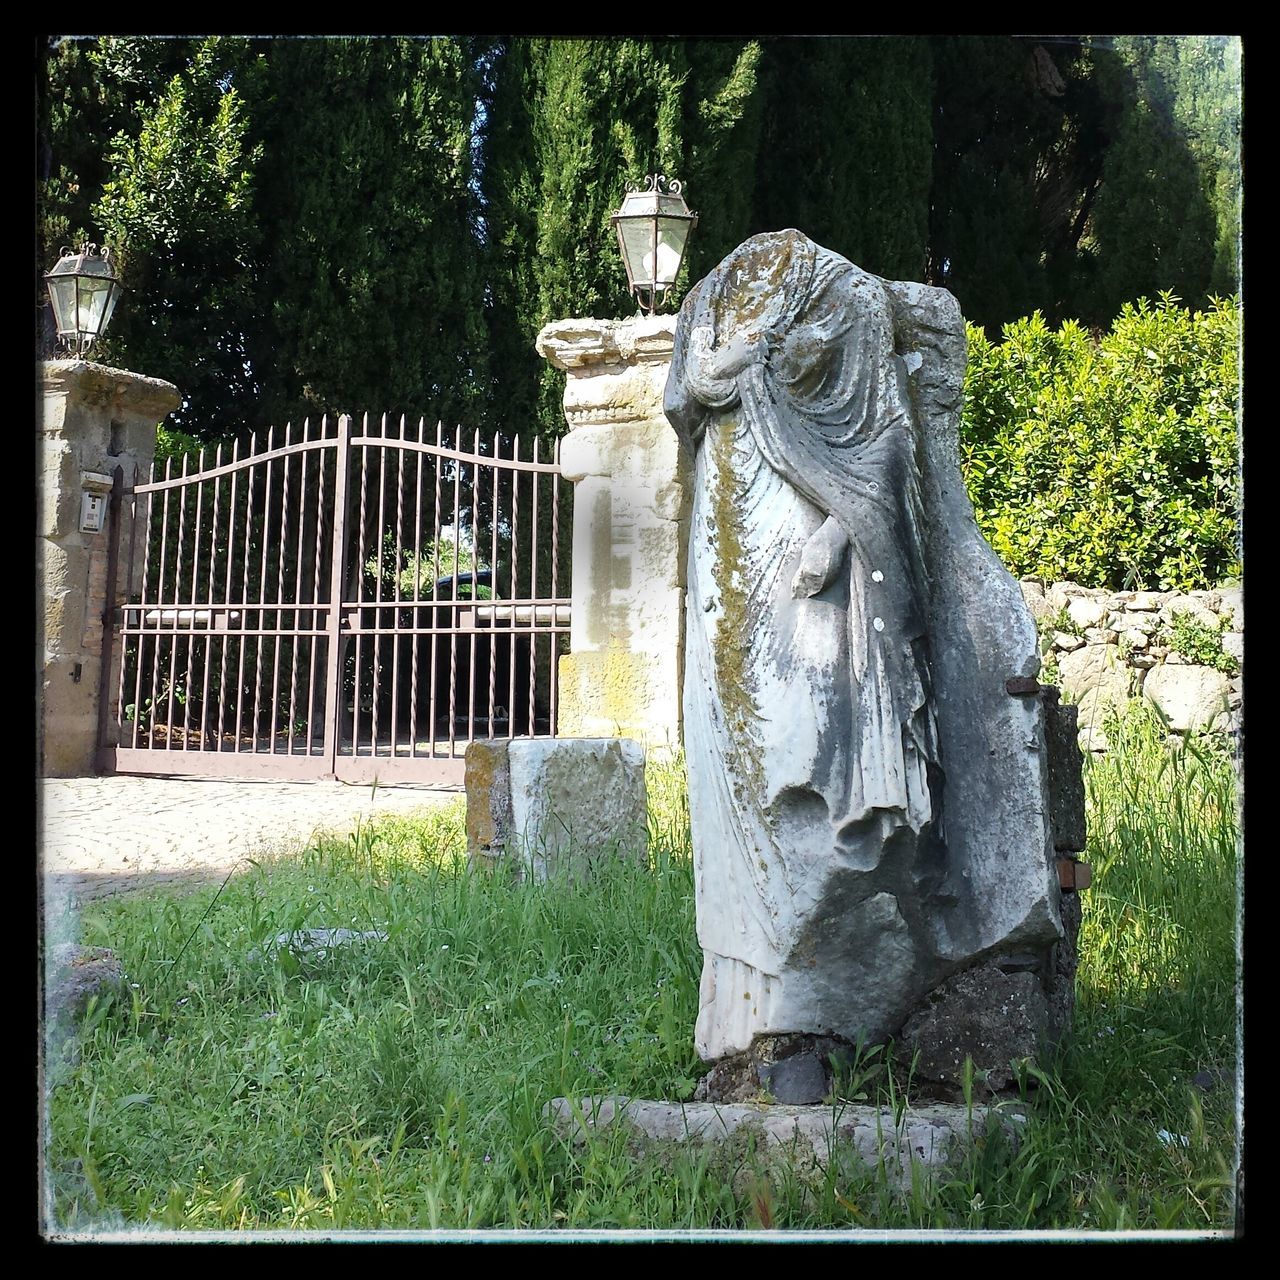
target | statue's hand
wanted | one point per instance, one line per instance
(733, 356)
(820, 560)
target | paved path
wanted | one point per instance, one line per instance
(106, 835)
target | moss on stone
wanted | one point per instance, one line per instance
(731, 655)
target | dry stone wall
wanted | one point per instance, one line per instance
(1182, 651)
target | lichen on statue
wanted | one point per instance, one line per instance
(810, 735)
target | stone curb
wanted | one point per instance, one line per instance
(923, 1138)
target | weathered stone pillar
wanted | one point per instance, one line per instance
(624, 674)
(92, 420)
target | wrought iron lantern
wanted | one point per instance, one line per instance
(84, 293)
(653, 229)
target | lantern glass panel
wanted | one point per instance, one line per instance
(637, 235)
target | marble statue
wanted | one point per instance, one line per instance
(857, 837)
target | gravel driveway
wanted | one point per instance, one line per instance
(100, 836)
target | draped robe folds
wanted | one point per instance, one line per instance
(809, 728)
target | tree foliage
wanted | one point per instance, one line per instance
(386, 223)
(179, 206)
(1168, 207)
(1110, 462)
(371, 294)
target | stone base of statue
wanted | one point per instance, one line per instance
(751, 1144)
(868, 749)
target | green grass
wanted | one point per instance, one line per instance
(401, 1083)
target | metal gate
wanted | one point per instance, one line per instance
(351, 600)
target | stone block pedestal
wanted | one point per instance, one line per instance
(554, 805)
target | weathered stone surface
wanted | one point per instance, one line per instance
(555, 805)
(750, 1075)
(1187, 697)
(487, 780)
(798, 1079)
(802, 1140)
(1086, 612)
(630, 531)
(1033, 595)
(1231, 605)
(985, 1014)
(75, 975)
(93, 419)
(1066, 773)
(1098, 681)
(1061, 994)
(1190, 607)
(838, 587)
(1146, 601)
(1134, 636)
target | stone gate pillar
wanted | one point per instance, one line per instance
(624, 674)
(92, 420)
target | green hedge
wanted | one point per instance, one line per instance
(1110, 461)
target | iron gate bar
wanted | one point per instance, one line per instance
(493, 560)
(337, 576)
(195, 576)
(417, 593)
(315, 587)
(262, 592)
(213, 562)
(222, 652)
(453, 644)
(297, 589)
(244, 595)
(435, 599)
(164, 535)
(108, 610)
(279, 612)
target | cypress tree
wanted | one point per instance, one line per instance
(845, 152)
(372, 287)
(723, 122)
(1168, 210)
(89, 92)
(570, 122)
(997, 117)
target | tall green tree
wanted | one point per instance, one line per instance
(568, 123)
(386, 224)
(88, 92)
(1167, 214)
(997, 123)
(370, 281)
(845, 152)
(178, 208)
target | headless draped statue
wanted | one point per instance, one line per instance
(816, 767)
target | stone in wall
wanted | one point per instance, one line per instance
(1098, 681)
(1187, 697)
(1122, 639)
